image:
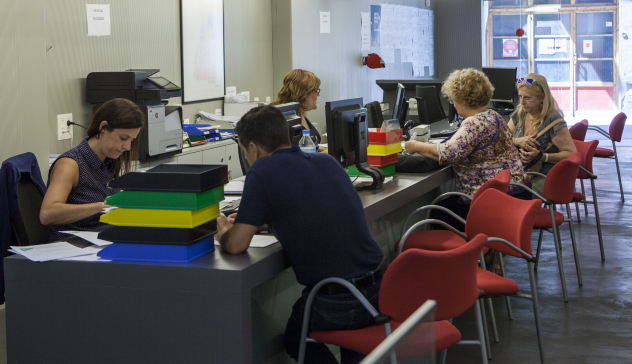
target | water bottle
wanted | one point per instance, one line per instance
(306, 144)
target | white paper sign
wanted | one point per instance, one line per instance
(588, 46)
(98, 19)
(231, 90)
(365, 31)
(325, 26)
(546, 46)
(510, 48)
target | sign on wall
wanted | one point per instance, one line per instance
(202, 40)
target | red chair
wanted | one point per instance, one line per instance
(578, 131)
(614, 133)
(448, 277)
(587, 151)
(559, 185)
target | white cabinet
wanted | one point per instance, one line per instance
(191, 158)
(232, 160)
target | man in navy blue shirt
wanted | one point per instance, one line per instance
(308, 202)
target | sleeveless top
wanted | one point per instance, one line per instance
(94, 177)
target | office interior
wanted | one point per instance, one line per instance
(47, 56)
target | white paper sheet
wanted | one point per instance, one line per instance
(235, 187)
(52, 251)
(260, 241)
(91, 236)
(98, 19)
(325, 18)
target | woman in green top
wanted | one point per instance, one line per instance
(537, 110)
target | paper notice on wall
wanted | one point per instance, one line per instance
(365, 30)
(588, 46)
(608, 23)
(325, 24)
(98, 19)
(546, 46)
(510, 48)
(560, 45)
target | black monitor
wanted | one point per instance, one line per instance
(504, 81)
(290, 111)
(433, 103)
(399, 101)
(348, 137)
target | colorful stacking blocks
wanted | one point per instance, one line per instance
(382, 151)
(166, 214)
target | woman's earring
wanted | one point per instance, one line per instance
(541, 106)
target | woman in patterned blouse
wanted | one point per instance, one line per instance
(482, 147)
(78, 179)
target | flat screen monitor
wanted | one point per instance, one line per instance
(504, 81)
(433, 103)
(295, 128)
(400, 98)
(347, 131)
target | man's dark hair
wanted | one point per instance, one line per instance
(264, 126)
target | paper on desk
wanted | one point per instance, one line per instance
(369, 180)
(260, 241)
(92, 251)
(234, 187)
(52, 251)
(91, 236)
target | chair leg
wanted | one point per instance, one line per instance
(579, 219)
(616, 161)
(581, 181)
(481, 333)
(507, 299)
(594, 191)
(444, 354)
(537, 252)
(485, 329)
(560, 264)
(536, 311)
(493, 317)
(574, 242)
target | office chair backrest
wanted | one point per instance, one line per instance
(578, 131)
(616, 126)
(433, 102)
(587, 152)
(500, 183)
(26, 223)
(374, 112)
(559, 183)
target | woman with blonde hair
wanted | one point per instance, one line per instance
(303, 87)
(539, 129)
(481, 148)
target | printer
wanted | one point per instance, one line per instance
(162, 133)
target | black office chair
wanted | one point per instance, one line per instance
(374, 112)
(26, 225)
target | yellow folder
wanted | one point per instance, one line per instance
(377, 150)
(185, 219)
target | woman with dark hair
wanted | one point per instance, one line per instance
(78, 180)
(303, 87)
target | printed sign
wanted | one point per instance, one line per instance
(560, 45)
(588, 47)
(510, 48)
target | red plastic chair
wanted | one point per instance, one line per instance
(614, 133)
(559, 186)
(448, 277)
(587, 151)
(578, 131)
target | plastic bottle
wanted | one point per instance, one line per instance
(306, 144)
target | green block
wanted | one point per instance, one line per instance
(388, 171)
(166, 200)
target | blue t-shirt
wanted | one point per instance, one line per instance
(311, 206)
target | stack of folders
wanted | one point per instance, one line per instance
(166, 214)
(382, 151)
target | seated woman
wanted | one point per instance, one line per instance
(536, 112)
(481, 148)
(78, 179)
(303, 87)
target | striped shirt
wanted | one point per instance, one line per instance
(94, 177)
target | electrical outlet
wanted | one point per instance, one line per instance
(186, 121)
(64, 131)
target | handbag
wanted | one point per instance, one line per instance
(536, 164)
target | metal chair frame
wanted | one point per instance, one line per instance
(616, 161)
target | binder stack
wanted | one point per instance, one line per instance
(167, 214)
(382, 151)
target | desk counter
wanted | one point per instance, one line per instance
(135, 312)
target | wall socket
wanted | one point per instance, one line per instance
(64, 131)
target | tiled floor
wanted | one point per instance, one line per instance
(595, 326)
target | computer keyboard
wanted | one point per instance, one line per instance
(444, 133)
(231, 207)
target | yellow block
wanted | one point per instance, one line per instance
(377, 150)
(161, 218)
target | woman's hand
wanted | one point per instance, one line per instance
(526, 142)
(410, 146)
(528, 154)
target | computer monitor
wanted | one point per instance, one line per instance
(348, 137)
(433, 103)
(400, 99)
(295, 128)
(504, 81)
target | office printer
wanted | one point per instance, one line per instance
(162, 134)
